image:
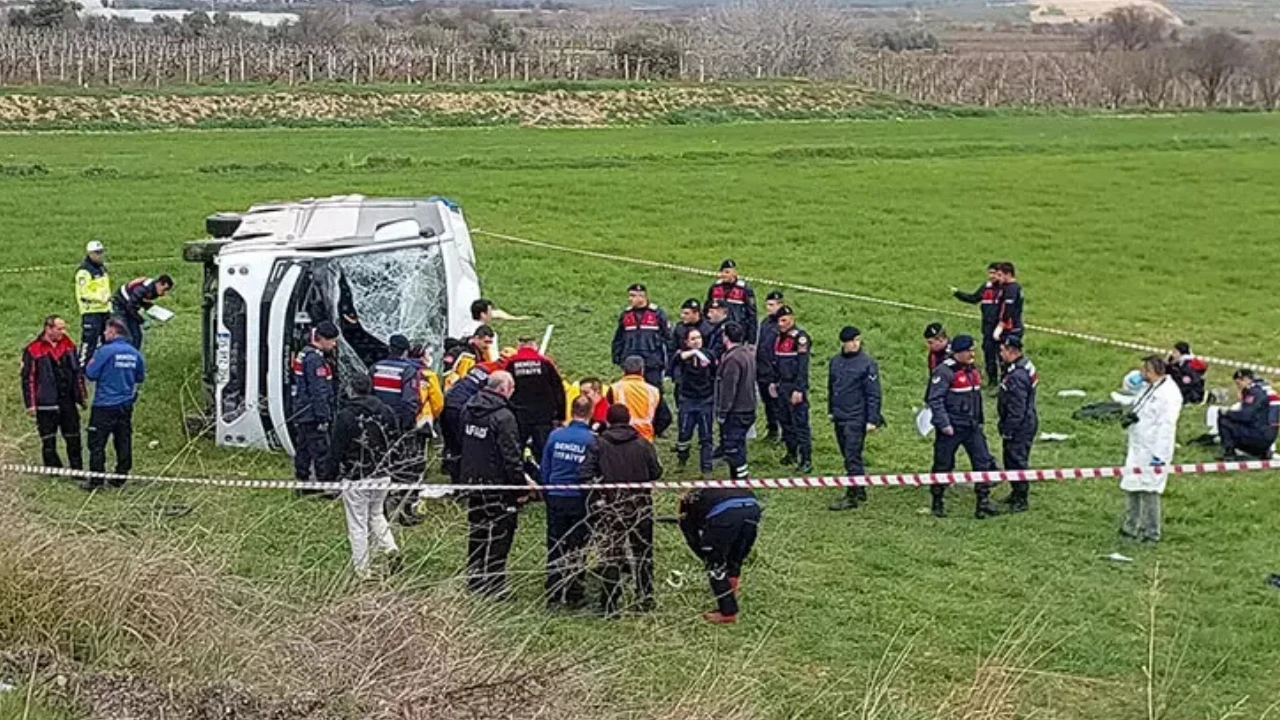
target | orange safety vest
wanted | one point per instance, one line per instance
(641, 400)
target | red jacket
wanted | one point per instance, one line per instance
(51, 376)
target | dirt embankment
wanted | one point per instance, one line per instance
(541, 107)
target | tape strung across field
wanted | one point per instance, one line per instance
(785, 483)
(1141, 347)
(43, 268)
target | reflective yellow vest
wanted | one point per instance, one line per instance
(93, 289)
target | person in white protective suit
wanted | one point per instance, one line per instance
(1152, 423)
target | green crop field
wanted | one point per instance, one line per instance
(1148, 229)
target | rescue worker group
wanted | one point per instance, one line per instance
(508, 418)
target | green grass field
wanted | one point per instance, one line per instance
(1150, 229)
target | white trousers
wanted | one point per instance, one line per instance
(367, 525)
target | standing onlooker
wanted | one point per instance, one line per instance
(593, 389)
(955, 398)
(482, 314)
(117, 369)
(1011, 301)
(736, 399)
(720, 526)
(791, 389)
(853, 402)
(364, 431)
(737, 296)
(491, 456)
(53, 391)
(135, 298)
(538, 399)
(313, 402)
(987, 298)
(938, 344)
(640, 397)
(1152, 424)
(567, 530)
(623, 519)
(643, 331)
(93, 295)
(696, 387)
(396, 382)
(765, 340)
(1019, 420)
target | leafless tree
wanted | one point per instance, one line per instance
(1264, 67)
(1153, 73)
(1128, 28)
(1212, 59)
(778, 38)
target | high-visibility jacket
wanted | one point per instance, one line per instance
(430, 396)
(93, 288)
(461, 367)
(571, 393)
(641, 400)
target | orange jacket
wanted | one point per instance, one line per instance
(641, 400)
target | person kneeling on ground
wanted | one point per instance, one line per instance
(1249, 427)
(622, 520)
(364, 432)
(720, 526)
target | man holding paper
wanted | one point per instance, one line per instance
(136, 297)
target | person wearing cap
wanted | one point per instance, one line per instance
(314, 397)
(643, 331)
(735, 399)
(695, 390)
(396, 381)
(720, 527)
(622, 520)
(791, 389)
(939, 345)
(737, 296)
(1018, 418)
(538, 400)
(713, 338)
(134, 299)
(1188, 371)
(955, 398)
(765, 340)
(853, 403)
(1249, 427)
(987, 298)
(93, 297)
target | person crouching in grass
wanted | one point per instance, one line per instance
(720, 526)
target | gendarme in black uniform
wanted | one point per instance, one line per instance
(853, 402)
(720, 526)
(764, 368)
(645, 332)
(1019, 420)
(1252, 428)
(988, 299)
(955, 398)
(791, 365)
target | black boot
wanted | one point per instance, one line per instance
(860, 493)
(985, 508)
(789, 458)
(938, 509)
(848, 501)
(805, 466)
(682, 459)
(772, 435)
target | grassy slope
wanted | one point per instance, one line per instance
(1152, 229)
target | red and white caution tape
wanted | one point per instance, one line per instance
(72, 265)
(1088, 337)
(785, 483)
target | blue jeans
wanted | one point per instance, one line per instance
(696, 414)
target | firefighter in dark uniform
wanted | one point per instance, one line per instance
(764, 363)
(791, 389)
(737, 296)
(643, 331)
(853, 402)
(720, 526)
(987, 298)
(396, 381)
(1019, 420)
(1252, 428)
(313, 402)
(939, 345)
(538, 400)
(955, 398)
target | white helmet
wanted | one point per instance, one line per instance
(94, 246)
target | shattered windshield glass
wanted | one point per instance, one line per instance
(382, 294)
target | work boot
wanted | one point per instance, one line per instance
(1231, 456)
(1018, 504)
(860, 493)
(682, 459)
(848, 501)
(788, 459)
(938, 509)
(1206, 440)
(804, 467)
(985, 509)
(715, 618)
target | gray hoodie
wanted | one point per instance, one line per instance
(736, 382)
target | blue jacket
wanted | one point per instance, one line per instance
(117, 369)
(561, 459)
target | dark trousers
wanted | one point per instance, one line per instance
(66, 419)
(770, 407)
(696, 415)
(662, 417)
(91, 327)
(567, 538)
(852, 437)
(409, 465)
(1249, 440)
(726, 542)
(975, 446)
(733, 442)
(623, 530)
(115, 423)
(310, 450)
(534, 436)
(991, 357)
(134, 326)
(491, 523)
(1016, 450)
(451, 433)
(794, 420)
